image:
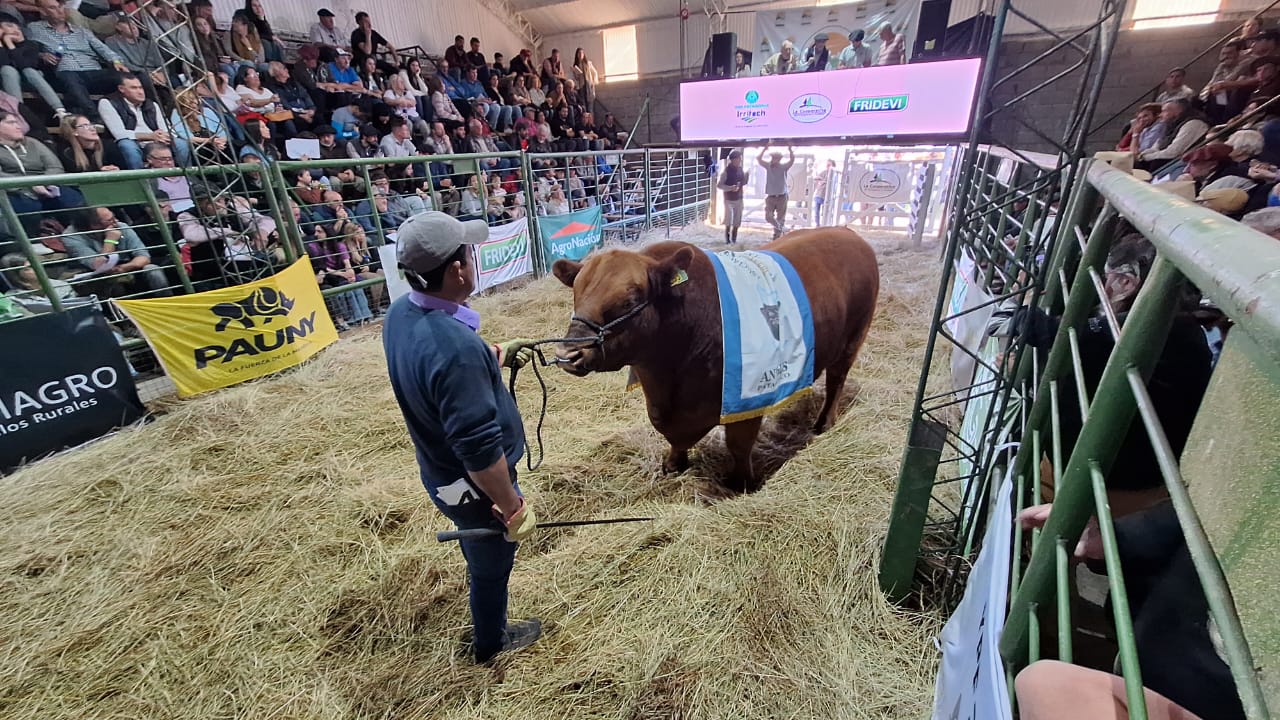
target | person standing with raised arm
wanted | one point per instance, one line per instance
(776, 192)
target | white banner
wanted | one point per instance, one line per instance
(881, 183)
(505, 256)
(800, 25)
(971, 680)
(396, 284)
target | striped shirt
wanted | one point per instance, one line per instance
(80, 50)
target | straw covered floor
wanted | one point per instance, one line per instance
(268, 552)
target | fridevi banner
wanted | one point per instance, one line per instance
(218, 338)
(63, 381)
(571, 236)
(505, 256)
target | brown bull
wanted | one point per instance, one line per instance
(670, 334)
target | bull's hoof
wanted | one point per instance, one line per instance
(675, 463)
(738, 484)
(821, 426)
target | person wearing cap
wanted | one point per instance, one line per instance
(856, 54)
(464, 425)
(817, 56)
(1209, 162)
(344, 76)
(732, 180)
(324, 31)
(367, 145)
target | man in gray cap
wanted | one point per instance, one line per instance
(817, 56)
(856, 54)
(465, 427)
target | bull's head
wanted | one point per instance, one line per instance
(618, 286)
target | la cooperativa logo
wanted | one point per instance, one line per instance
(260, 307)
(810, 108)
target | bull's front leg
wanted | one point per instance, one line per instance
(740, 438)
(677, 460)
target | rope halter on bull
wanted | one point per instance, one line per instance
(540, 360)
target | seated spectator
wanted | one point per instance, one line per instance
(508, 111)
(475, 59)
(372, 82)
(367, 42)
(1266, 70)
(82, 150)
(1210, 162)
(333, 269)
(472, 206)
(399, 144)
(391, 208)
(1175, 87)
(20, 61)
(367, 145)
(324, 32)
(417, 85)
(515, 92)
(314, 75)
(474, 96)
(195, 123)
(176, 188)
(612, 132)
(562, 127)
(140, 54)
(258, 15)
(225, 230)
(1183, 670)
(1265, 221)
(227, 99)
(293, 97)
(348, 81)
(497, 68)
(1245, 82)
(481, 144)
(132, 121)
(22, 156)
(309, 191)
(364, 260)
(86, 63)
(1215, 98)
(443, 108)
(585, 129)
(537, 97)
(1182, 128)
(438, 140)
(330, 209)
(246, 46)
(26, 291)
(455, 59)
(404, 104)
(783, 62)
(201, 9)
(260, 138)
(522, 65)
(253, 94)
(1176, 385)
(1245, 146)
(210, 47)
(557, 203)
(1144, 130)
(110, 250)
(330, 148)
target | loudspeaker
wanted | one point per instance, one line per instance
(931, 33)
(723, 47)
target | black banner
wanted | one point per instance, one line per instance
(63, 381)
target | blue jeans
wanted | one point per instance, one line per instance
(131, 151)
(32, 209)
(489, 563)
(353, 305)
(13, 78)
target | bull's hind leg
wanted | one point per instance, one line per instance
(740, 438)
(837, 373)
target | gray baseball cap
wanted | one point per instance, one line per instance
(425, 241)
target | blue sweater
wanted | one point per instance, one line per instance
(449, 386)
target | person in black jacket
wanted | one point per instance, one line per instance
(1177, 384)
(20, 62)
(1182, 670)
(294, 96)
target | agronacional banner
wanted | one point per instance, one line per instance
(63, 381)
(571, 236)
(218, 338)
(504, 256)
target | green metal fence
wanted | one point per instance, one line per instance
(638, 189)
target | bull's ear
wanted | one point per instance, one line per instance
(674, 271)
(566, 271)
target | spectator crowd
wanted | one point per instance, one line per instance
(104, 85)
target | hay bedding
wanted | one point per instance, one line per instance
(268, 552)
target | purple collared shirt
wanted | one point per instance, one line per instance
(461, 313)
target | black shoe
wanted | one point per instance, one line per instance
(522, 634)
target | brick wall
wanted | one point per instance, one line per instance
(1140, 60)
(625, 98)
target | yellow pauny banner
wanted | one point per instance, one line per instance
(218, 338)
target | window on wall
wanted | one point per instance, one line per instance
(1173, 13)
(621, 61)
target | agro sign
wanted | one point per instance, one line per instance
(572, 235)
(932, 101)
(218, 338)
(63, 381)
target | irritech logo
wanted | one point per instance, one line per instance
(753, 110)
(810, 108)
(888, 103)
